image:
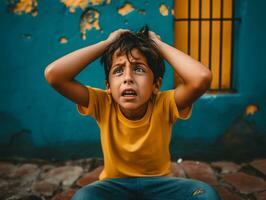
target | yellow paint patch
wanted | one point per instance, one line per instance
(82, 4)
(125, 9)
(89, 20)
(251, 109)
(163, 10)
(99, 2)
(63, 40)
(26, 6)
(73, 4)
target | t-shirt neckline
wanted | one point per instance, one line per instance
(134, 123)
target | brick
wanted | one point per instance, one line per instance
(86, 164)
(66, 175)
(245, 183)
(90, 177)
(27, 172)
(225, 167)
(6, 169)
(260, 165)
(46, 168)
(200, 171)
(44, 188)
(261, 195)
(225, 194)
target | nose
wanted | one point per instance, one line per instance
(128, 78)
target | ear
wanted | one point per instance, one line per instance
(157, 84)
(108, 90)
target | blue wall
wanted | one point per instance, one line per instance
(35, 121)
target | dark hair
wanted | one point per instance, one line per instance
(129, 41)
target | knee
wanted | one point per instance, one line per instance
(201, 189)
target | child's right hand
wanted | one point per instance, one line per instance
(115, 35)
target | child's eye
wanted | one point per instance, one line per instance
(118, 70)
(139, 69)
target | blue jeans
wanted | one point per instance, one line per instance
(148, 188)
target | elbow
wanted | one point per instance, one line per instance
(205, 80)
(207, 77)
(49, 75)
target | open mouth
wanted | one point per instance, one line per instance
(129, 93)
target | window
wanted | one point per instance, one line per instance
(204, 30)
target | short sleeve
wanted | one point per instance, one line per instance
(97, 101)
(169, 106)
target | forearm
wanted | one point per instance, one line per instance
(190, 70)
(70, 65)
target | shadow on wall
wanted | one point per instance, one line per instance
(59, 152)
(17, 141)
(241, 142)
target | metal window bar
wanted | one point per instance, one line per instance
(211, 19)
(221, 45)
(189, 25)
(200, 9)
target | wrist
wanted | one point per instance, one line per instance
(106, 43)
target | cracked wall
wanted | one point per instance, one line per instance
(34, 33)
(90, 15)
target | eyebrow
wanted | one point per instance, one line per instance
(133, 62)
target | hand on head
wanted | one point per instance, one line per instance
(115, 35)
(154, 36)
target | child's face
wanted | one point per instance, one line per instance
(131, 82)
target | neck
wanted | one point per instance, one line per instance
(135, 114)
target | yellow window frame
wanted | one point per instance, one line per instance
(204, 30)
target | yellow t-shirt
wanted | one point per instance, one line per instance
(134, 148)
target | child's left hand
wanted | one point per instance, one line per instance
(154, 36)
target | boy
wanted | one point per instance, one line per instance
(134, 117)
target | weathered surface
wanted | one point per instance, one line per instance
(45, 180)
(245, 183)
(225, 167)
(66, 175)
(90, 177)
(44, 188)
(226, 194)
(259, 165)
(6, 169)
(261, 195)
(200, 171)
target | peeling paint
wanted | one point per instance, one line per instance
(89, 20)
(163, 10)
(63, 40)
(251, 109)
(125, 9)
(173, 12)
(73, 4)
(99, 2)
(82, 4)
(24, 6)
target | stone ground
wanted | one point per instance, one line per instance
(39, 179)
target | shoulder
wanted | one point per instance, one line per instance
(97, 93)
(167, 95)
